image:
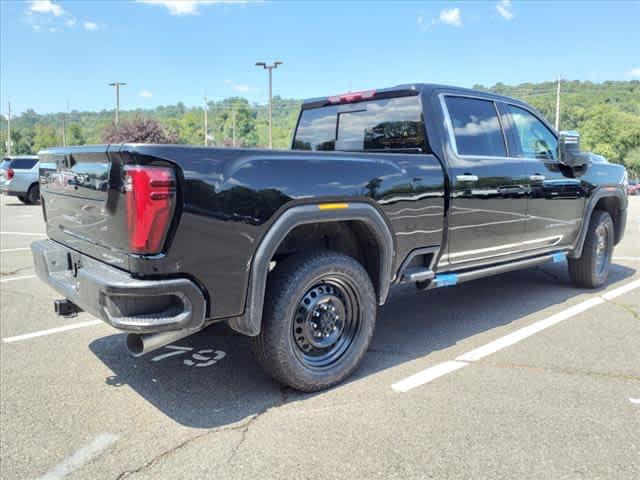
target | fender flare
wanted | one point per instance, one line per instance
(251, 321)
(599, 194)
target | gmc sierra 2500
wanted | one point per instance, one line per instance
(420, 183)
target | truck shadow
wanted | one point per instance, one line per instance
(199, 387)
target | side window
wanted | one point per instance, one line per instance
(476, 127)
(534, 138)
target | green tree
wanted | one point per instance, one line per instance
(45, 137)
(75, 135)
(610, 132)
(632, 162)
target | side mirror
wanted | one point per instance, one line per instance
(569, 146)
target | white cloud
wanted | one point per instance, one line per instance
(46, 6)
(187, 7)
(504, 9)
(238, 87)
(451, 17)
(146, 94)
(48, 16)
(91, 26)
(635, 72)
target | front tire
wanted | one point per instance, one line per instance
(592, 268)
(319, 316)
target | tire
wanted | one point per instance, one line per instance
(33, 195)
(23, 199)
(592, 268)
(319, 316)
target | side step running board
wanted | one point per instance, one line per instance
(448, 279)
(417, 274)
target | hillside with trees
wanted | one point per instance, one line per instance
(607, 115)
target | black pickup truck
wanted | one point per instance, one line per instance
(426, 184)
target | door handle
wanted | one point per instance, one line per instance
(467, 178)
(536, 177)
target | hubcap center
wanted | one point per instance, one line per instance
(324, 318)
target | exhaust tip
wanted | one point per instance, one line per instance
(135, 344)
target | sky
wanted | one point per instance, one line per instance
(55, 51)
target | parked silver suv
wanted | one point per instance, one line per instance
(19, 177)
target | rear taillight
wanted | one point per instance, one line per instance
(352, 97)
(150, 202)
(10, 174)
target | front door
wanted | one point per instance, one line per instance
(488, 202)
(556, 201)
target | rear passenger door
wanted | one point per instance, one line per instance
(489, 188)
(556, 201)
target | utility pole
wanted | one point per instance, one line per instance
(64, 126)
(233, 120)
(9, 129)
(558, 106)
(270, 69)
(117, 85)
(206, 120)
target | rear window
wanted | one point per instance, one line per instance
(23, 163)
(476, 127)
(376, 125)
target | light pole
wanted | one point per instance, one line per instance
(270, 69)
(117, 85)
(9, 129)
(557, 123)
(206, 120)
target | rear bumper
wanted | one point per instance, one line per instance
(122, 301)
(5, 190)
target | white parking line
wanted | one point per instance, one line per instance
(626, 258)
(14, 249)
(29, 234)
(51, 331)
(11, 279)
(80, 457)
(444, 368)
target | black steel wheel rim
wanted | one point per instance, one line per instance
(326, 322)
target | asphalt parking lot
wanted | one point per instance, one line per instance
(516, 376)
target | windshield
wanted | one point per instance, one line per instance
(376, 125)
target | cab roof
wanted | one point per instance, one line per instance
(408, 89)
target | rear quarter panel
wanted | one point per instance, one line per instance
(228, 207)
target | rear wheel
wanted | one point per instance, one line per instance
(592, 268)
(23, 199)
(33, 195)
(319, 317)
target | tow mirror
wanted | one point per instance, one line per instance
(570, 154)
